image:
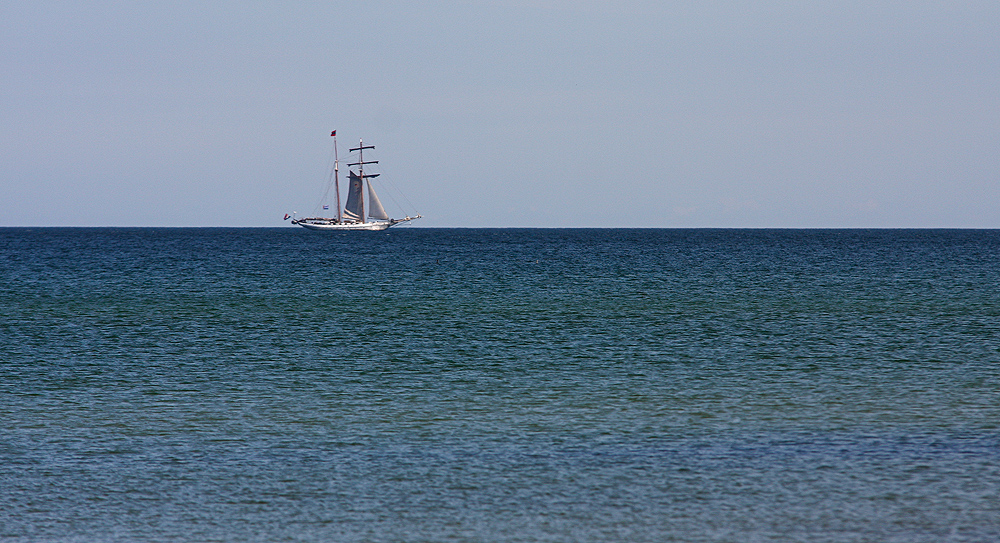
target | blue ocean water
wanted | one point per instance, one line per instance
(499, 385)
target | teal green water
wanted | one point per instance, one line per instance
(499, 385)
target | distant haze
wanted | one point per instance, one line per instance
(760, 113)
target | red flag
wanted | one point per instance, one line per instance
(334, 133)
(286, 216)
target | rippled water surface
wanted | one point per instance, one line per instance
(499, 385)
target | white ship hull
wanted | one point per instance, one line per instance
(333, 225)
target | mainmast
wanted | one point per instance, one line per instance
(336, 176)
(361, 170)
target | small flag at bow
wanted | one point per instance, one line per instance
(286, 216)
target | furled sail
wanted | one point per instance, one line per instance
(375, 209)
(355, 208)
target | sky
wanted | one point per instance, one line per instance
(519, 113)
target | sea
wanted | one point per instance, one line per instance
(499, 385)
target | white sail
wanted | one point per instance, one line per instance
(375, 209)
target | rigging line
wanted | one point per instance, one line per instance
(329, 183)
(326, 194)
(401, 194)
(391, 197)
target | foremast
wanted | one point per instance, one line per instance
(362, 176)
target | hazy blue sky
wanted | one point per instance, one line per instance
(762, 113)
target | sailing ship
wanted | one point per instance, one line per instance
(353, 216)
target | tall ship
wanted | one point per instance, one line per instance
(357, 214)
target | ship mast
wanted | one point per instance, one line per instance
(336, 176)
(361, 171)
